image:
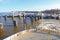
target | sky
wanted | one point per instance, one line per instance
(28, 5)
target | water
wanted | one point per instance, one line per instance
(9, 28)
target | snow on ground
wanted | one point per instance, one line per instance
(53, 25)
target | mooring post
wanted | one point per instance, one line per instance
(15, 23)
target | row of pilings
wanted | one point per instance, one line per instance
(32, 19)
(15, 23)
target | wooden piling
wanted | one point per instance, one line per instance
(12, 17)
(38, 17)
(0, 16)
(19, 16)
(5, 18)
(24, 22)
(32, 21)
(1, 27)
(15, 23)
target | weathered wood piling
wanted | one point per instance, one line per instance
(0, 16)
(15, 23)
(5, 18)
(12, 17)
(19, 17)
(24, 22)
(1, 27)
(32, 21)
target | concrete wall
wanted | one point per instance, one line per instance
(18, 35)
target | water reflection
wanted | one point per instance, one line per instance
(15, 29)
(1, 34)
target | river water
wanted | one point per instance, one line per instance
(8, 26)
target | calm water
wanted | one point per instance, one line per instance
(9, 28)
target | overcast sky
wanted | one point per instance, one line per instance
(35, 5)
